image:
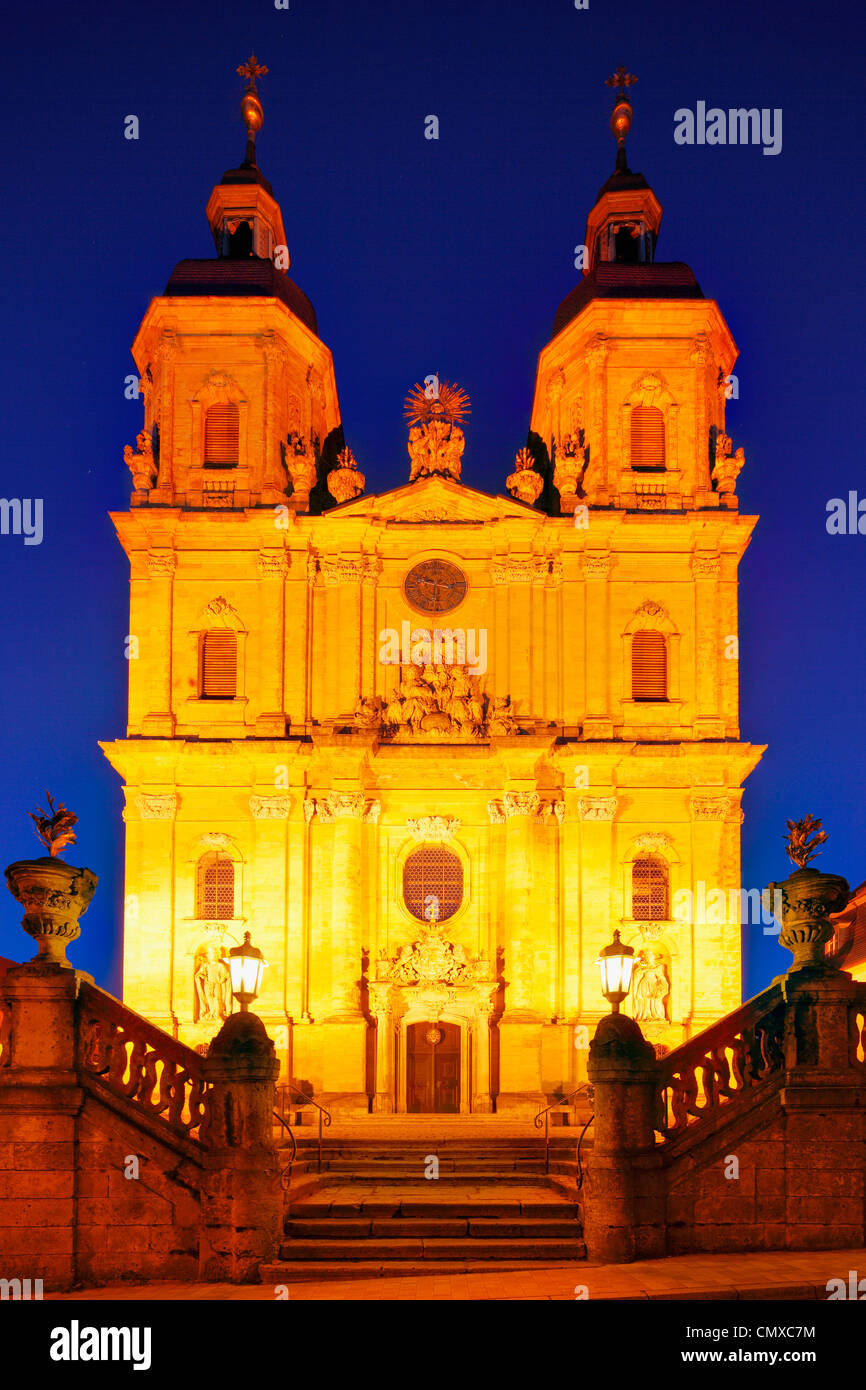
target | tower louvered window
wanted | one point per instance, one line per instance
(647, 438)
(433, 883)
(215, 887)
(219, 665)
(649, 666)
(221, 430)
(649, 890)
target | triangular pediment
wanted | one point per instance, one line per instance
(432, 500)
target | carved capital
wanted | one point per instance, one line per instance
(270, 807)
(343, 806)
(710, 807)
(157, 806)
(597, 807)
(496, 813)
(433, 828)
(521, 804)
(333, 572)
(596, 565)
(534, 570)
(161, 564)
(273, 564)
(597, 351)
(705, 566)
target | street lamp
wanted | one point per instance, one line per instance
(246, 966)
(616, 963)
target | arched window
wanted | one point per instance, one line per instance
(649, 666)
(221, 431)
(649, 889)
(218, 677)
(648, 438)
(215, 887)
(433, 883)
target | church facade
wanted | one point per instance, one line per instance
(431, 747)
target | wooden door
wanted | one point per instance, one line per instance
(433, 1068)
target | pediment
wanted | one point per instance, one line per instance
(432, 500)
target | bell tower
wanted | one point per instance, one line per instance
(630, 392)
(240, 394)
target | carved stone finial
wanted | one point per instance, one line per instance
(346, 480)
(524, 482)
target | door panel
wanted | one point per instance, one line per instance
(433, 1069)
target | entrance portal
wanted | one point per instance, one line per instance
(433, 1068)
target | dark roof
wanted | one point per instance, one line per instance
(622, 181)
(250, 174)
(250, 276)
(611, 280)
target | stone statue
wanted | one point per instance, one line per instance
(727, 466)
(141, 464)
(501, 721)
(368, 714)
(213, 989)
(300, 465)
(650, 988)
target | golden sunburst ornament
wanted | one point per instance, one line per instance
(440, 400)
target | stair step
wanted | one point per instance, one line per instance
(433, 1249)
(432, 1228)
(476, 1209)
(301, 1272)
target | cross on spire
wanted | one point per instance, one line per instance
(620, 79)
(252, 69)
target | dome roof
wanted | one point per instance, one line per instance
(613, 280)
(242, 277)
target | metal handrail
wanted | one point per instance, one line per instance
(579, 1142)
(286, 1173)
(545, 1115)
(324, 1115)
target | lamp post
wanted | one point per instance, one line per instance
(616, 964)
(246, 966)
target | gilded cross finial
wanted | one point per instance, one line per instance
(252, 69)
(621, 79)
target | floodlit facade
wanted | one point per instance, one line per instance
(431, 747)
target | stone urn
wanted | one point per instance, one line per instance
(808, 898)
(54, 895)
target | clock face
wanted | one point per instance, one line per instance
(435, 586)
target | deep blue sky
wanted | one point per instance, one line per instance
(421, 256)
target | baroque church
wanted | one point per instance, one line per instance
(432, 747)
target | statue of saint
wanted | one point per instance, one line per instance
(650, 987)
(213, 989)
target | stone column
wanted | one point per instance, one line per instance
(345, 1048)
(149, 945)
(708, 720)
(155, 642)
(624, 1217)
(241, 1195)
(271, 718)
(380, 1006)
(481, 1099)
(520, 1026)
(597, 721)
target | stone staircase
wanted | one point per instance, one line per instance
(373, 1210)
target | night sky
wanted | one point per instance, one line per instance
(420, 256)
